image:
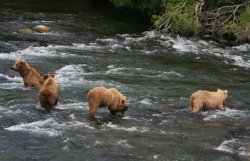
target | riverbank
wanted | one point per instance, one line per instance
(225, 22)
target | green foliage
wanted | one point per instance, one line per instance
(243, 33)
(226, 19)
(229, 31)
(229, 27)
(178, 18)
(244, 17)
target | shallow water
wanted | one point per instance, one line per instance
(91, 45)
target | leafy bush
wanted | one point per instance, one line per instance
(221, 19)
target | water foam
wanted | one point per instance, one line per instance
(137, 42)
(48, 127)
(224, 146)
(234, 146)
(184, 45)
(31, 52)
(130, 71)
(88, 47)
(70, 75)
(238, 60)
(117, 127)
(124, 143)
(15, 82)
(146, 101)
(245, 47)
(227, 114)
(13, 85)
(13, 79)
(73, 106)
(45, 127)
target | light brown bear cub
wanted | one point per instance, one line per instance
(48, 93)
(30, 76)
(103, 97)
(206, 100)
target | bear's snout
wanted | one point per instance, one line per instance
(125, 109)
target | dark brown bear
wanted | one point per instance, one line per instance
(48, 93)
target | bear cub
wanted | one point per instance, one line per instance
(104, 97)
(30, 76)
(206, 100)
(48, 92)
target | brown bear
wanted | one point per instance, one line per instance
(30, 76)
(41, 28)
(103, 97)
(48, 92)
(206, 100)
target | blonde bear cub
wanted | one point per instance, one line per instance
(206, 100)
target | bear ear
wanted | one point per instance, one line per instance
(22, 61)
(123, 101)
(45, 76)
(225, 91)
(52, 75)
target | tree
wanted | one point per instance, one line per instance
(223, 20)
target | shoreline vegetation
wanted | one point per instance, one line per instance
(224, 21)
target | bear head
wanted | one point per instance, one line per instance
(46, 77)
(223, 92)
(123, 105)
(20, 65)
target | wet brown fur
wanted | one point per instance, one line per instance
(30, 76)
(48, 93)
(103, 97)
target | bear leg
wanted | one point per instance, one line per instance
(92, 109)
(56, 101)
(92, 112)
(195, 109)
(113, 112)
(197, 106)
(221, 107)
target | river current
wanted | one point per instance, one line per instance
(90, 45)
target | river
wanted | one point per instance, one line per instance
(93, 44)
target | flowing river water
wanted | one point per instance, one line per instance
(93, 44)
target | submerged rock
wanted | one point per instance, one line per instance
(25, 31)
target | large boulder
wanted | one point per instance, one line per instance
(41, 28)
